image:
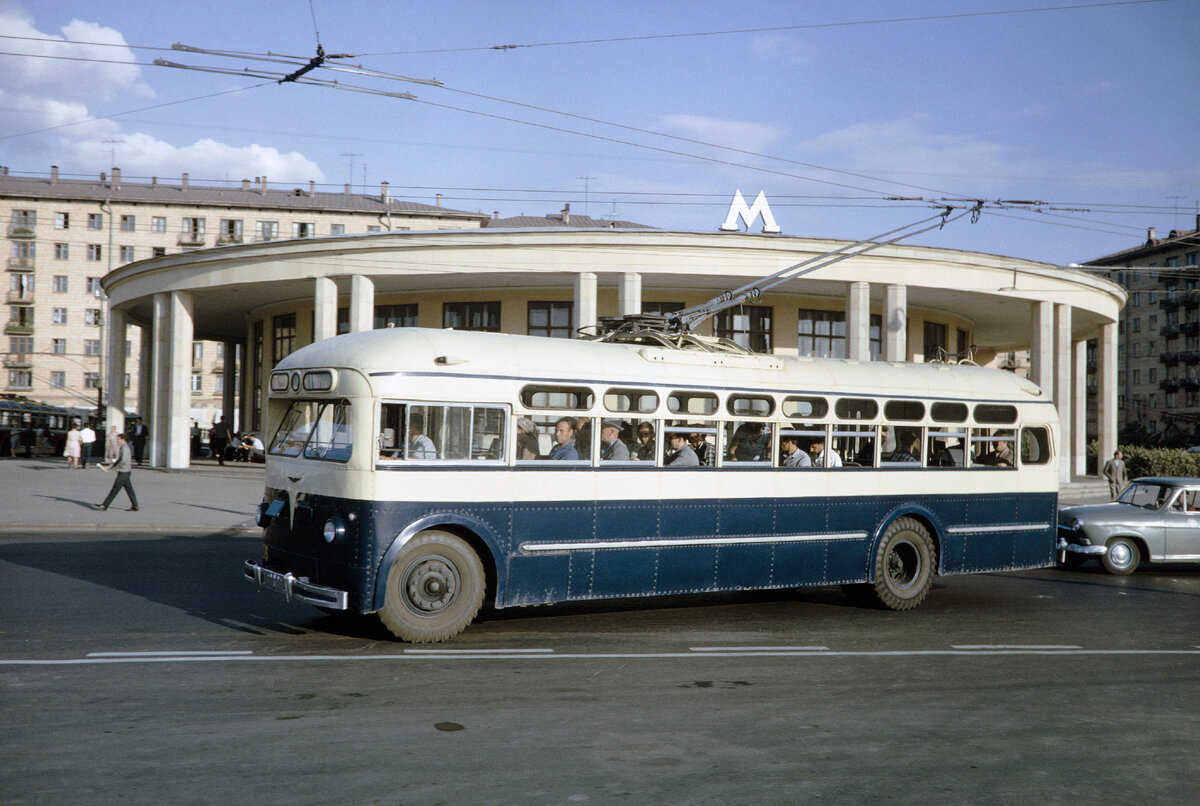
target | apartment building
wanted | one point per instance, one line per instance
(65, 234)
(1158, 382)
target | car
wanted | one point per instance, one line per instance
(1156, 519)
(1194, 449)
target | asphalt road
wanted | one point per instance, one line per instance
(144, 670)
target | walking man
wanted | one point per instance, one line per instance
(1114, 471)
(89, 439)
(218, 438)
(124, 466)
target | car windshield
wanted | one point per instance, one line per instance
(1147, 496)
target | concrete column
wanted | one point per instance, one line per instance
(114, 382)
(629, 294)
(585, 299)
(362, 304)
(170, 430)
(229, 383)
(1079, 405)
(145, 403)
(895, 323)
(858, 322)
(1062, 388)
(1041, 355)
(325, 309)
(1106, 394)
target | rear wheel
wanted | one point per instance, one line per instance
(434, 588)
(1122, 556)
(903, 565)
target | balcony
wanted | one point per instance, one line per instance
(18, 360)
(1190, 329)
(18, 329)
(20, 264)
(1169, 359)
(20, 296)
(1169, 331)
(1169, 385)
(1191, 384)
(1169, 302)
(195, 239)
(1190, 357)
(227, 239)
(22, 232)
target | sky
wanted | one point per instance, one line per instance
(654, 112)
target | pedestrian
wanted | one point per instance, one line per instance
(1114, 471)
(139, 439)
(124, 467)
(220, 436)
(74, 447)
(89, 440)
(111, 445)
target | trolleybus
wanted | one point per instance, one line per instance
(410, 474)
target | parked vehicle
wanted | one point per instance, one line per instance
(1156, 519)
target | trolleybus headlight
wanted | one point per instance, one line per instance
(335, 529)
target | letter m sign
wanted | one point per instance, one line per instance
(739, 209)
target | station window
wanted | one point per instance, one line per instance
(483, 316)
(551, 319)
(748, 326)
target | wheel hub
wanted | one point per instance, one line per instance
(431, 585)
(1119, 554)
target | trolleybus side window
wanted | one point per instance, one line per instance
(565, 439)
(689, 443)
(1035, 446)
(943, 412)
(992, 447)
(748, 441)
(902, 447)
(805, 407)
(804, 435)
(425, 432)
(946, 446)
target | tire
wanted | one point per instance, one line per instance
(904, 565)
(434, 588)
(1122, 557)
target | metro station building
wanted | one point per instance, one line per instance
(552, 276)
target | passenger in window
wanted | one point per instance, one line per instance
(564, 440)
(681, 453)
(583, 437)
(419, 445)
(821, 458)
(866, 454)
(749, 443)
(611, 446)
(645, 434)
(908, 451)
(792, 455)
(1003, 455)
(527, 439)
(702, 449)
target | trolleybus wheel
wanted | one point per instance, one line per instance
(1122, 557)
(434, 588)
(903, 565)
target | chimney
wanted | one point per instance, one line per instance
(103, 176)
(117, 178)
(264, 182)
(495, 215)
(54, 174)
(312, 188)
(1198, 222)
(566, 214)
(439, 200)
(346, 188)
(245, 184)
(183, 184)
(154, 181)
(1151, 235)
(383, 192)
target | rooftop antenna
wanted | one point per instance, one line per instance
(586, 180)
(352, 156)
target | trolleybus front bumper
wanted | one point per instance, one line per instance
(294, 587)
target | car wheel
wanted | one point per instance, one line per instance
(1122, 556)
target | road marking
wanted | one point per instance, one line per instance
(477, 651)
(172, 653)
(520, 654)
(1014, 646)
(760, 649)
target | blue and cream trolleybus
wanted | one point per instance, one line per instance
(418, 474)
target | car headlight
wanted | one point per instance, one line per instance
(1076, 524)
(335, 529)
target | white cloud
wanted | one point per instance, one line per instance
(51, 106)
(757, 137)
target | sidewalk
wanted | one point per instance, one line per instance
(41, 495)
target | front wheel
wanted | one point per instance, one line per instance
(434, 588)
(903, 565)
(1122, 556)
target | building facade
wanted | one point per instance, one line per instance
(65, 235)
(558, 275)
(1158, 385)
